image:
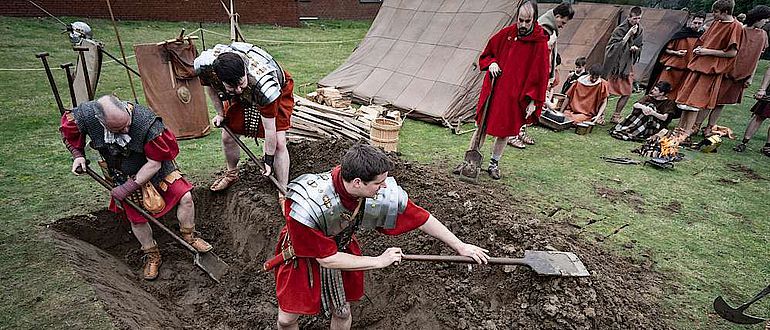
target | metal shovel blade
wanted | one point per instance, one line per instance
(734, 315)
(555, 263)
(211, 264)
(471, 166)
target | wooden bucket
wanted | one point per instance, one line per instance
(384, 133)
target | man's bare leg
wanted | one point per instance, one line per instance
(701, 117)
(715, 114)
(499, 147)
(622, 100)
(231, 150)
(143, 233)
(287, 321)
(185, 211)
(342, 322)
(281, 159)
(688, 119)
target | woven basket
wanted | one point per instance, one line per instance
(384, 133)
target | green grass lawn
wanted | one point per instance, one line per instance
(716, 241)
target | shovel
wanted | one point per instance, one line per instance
(736, 315)
(471, 167)
(207, 261)
(544, 263)
(254, 158)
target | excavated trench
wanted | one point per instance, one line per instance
(243, 224)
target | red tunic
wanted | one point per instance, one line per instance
(524, 62)
(292, 283)
(161, 148)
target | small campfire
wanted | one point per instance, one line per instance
(662, 148)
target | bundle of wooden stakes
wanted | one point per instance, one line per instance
(314, 121)
(330, 96)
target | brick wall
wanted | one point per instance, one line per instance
(338, 9)
(280, 12)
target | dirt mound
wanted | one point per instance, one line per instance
(243, 224)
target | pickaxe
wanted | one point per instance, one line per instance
(736, 315)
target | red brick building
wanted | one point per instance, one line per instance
(278, 12)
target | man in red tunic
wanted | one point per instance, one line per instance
(517, 57)
(753, 44)
(253, 96)
(671, 64)
(713, 57)
(322, 268)
(136, 150)
(622, 52)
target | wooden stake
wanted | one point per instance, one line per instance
(122, 51)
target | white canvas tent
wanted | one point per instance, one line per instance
(421, 56)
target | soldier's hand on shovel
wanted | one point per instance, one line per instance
(217, 121)
(79, 165)
(391, 256)
(268, 160)
(477, 253)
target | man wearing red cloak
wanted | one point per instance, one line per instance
(518, 57)
(320, 266)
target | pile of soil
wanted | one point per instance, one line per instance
(243, 224)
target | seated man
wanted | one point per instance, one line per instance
(580, 65)
(650, 114)
(320, 267)
(587, 98)
(137, 149)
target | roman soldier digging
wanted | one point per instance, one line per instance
(138, 155)
(318, 263)
(253, 96)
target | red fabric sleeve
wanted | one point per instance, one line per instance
(605, 93)
(309, 242)
(163, 147)
(488, 56)
(412, 218)
(73, 139)
(538, 82)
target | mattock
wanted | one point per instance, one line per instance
(43, 56)
(736, 315)
(70, 82)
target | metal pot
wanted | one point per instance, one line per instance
(583, 128)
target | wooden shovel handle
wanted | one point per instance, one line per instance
(462, 259)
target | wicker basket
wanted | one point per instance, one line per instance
(384, 133)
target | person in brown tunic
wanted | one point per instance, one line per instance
(620, 55)
(759, 112)
(587, 98)
(671, 65)
(753, 44)
(713, 56)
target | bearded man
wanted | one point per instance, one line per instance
(517, 57)
(253, 96)
(622, 52)
(137, 150)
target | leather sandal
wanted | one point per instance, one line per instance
(615, 119)
(189, 236)
(741, 147)
(152, 263)
(516, 142)
(766, 151)
(526, 138)
(228, 179)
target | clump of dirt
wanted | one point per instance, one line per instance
(243, 224)
(748, 172)
(630, 197)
